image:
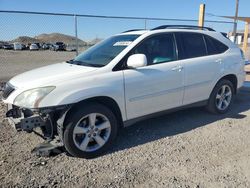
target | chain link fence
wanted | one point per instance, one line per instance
(60, 37)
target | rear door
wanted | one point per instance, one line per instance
(201, 68)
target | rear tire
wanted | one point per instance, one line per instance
(90, 130)
(221, 98)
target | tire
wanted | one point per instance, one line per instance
(90, 131)
(218, 102)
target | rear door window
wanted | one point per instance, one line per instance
(193, 45)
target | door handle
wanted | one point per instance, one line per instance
(218, 61)
(177, 68)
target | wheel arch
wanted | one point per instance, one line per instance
(211, 106)
(104, 100)
(232, 78)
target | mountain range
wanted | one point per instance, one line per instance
(52, 38)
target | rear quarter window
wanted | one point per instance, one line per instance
(214, 46)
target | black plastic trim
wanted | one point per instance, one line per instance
(135, 120)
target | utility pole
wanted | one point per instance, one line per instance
(76, 37)
(235, 20)
(245, 42)
(201, 15)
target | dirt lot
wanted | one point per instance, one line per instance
(16, 62)
(189, 148)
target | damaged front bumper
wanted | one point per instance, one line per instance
(29, 119)
(24, 120)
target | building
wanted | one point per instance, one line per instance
(239, 36)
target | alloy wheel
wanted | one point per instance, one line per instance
(223, 97)
(91, 132)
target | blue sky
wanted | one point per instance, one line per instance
(13, 25)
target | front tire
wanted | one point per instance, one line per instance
(90, 130)
(221, 97)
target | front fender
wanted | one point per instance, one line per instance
(76, 92)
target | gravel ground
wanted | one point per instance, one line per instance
(15, 62)
(189, 148)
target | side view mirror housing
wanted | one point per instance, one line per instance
(136, 61)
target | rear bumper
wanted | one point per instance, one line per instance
(241, 79)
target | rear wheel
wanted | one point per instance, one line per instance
(90, 131)
(221, 97)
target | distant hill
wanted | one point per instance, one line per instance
(50, 38)
(25, 40)
(58, 37)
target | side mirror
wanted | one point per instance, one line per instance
(136, 61)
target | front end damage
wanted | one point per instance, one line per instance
(45, 122)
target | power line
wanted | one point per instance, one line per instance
(112, 17)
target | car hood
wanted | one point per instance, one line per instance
(50, 75)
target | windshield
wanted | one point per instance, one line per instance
(104, 52)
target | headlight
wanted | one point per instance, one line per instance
(32, 98)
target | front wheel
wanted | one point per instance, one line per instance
(90, 131)
(221, 97)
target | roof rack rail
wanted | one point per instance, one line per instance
(183, 27)
(132, 30)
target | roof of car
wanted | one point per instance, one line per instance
(209, 32)
(165, 28)
(140, 32)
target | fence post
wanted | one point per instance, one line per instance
(145, 24)
(75, 16)
(201, 15)
(245, 43)
(235, 21)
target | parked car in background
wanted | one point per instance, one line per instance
(38, 44)
(128, 77)
(8, 46)
(18, 46)
(70, 48)
(24, 47)
(58, 46)
(46, 46)
(33, 47)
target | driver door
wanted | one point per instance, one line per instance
(159, 85)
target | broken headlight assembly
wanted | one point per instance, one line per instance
(31, 98)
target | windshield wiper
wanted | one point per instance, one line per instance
(76, 62)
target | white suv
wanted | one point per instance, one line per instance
(123, 79)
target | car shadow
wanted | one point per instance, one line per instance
(176, 123)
